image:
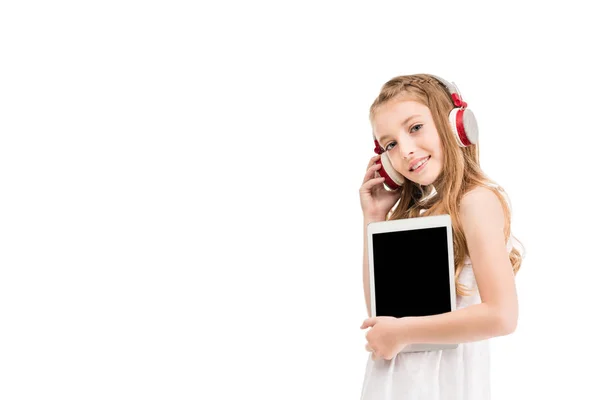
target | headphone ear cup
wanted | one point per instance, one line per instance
(464, 126)
(393, 179)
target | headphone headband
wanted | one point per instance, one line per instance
(453, 91)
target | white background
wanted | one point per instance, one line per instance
(179, 210)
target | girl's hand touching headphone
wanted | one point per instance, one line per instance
(375, 200)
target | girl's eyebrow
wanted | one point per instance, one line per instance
(406, 121)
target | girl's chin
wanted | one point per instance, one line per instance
(424, 184)
(424, 181)
(427, 177)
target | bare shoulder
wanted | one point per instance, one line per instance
(481, 213)
(479, 194)
(481, 201)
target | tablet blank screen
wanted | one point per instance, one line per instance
(411, 272)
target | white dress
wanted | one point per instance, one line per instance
(454, 374)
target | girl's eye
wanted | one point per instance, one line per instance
(416, 127)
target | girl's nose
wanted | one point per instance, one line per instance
(406, 151)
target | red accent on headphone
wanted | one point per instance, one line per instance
(377, 147)
(388, 180)
(458, 102)
(382, 172)
(460, 128)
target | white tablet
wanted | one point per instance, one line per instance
(411, 264)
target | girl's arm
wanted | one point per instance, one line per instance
(482, 218)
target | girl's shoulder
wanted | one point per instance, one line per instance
(479, 195)
(482, 204)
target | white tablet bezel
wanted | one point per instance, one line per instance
(434, 221)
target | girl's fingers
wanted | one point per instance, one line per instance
(372, 160)
(368, 185)
(370, 172)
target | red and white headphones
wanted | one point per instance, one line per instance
(462, 123)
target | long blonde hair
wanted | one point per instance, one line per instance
(460, 173)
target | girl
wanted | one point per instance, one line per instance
(427, 140)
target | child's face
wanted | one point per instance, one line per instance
(405, 129)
